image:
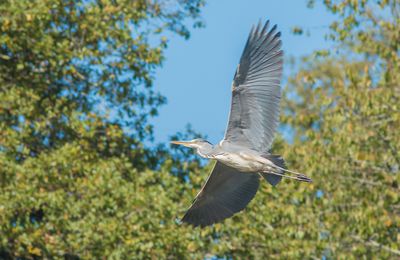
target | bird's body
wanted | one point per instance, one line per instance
(243, 155)
(241, 158)
(244, 161)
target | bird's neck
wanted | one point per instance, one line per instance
(206, 151)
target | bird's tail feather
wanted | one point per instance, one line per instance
(272, 178)
(277, 160)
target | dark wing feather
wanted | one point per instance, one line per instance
(256, 92)
(226, 192)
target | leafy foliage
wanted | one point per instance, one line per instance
(70, 66)
(75, 182)
(76, 94)
(345, 112)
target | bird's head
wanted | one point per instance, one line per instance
(195, 143)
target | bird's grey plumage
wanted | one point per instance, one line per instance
(256, 91)
(243, 155)
(226, 192)
(272, 178)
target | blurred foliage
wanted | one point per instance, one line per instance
(83, 70)
(76, 181)
(345, 108)
(180, 159)
(76, 95)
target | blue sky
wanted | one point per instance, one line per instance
(197, 74)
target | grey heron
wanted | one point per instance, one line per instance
(243, 155)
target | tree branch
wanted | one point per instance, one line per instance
(373, 243)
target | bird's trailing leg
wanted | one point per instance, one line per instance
(296, 176)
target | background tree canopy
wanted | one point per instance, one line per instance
(77, 182)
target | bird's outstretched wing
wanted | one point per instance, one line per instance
(256, 92)
(226, 192)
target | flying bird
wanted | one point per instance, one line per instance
(244, 153)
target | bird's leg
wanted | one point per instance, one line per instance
(300, 175)
(297, 176)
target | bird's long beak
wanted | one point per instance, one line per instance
(184, 143)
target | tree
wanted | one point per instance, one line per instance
(345, 114)
(76, 94)
(92, 196)
(71, 65)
